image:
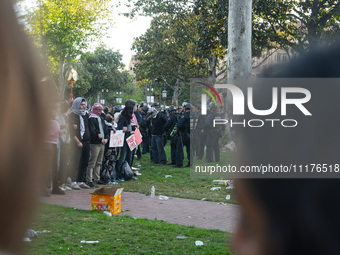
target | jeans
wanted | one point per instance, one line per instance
(157, 149)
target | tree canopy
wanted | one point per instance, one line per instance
(64, 28)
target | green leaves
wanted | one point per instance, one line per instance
(64, 28)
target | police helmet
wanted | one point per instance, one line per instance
(171, 108)
(117, 108)
(106, 109)
(155, 104)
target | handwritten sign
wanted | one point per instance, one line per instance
(116, 139)
(131, 141)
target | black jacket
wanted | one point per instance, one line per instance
(94, 130)
(158, 124)
(74, 120)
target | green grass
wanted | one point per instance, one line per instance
(118, 235)
(180, 185)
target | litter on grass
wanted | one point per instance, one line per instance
(43, 231)
(163, 197)
(26, 239)
(83, 241)
(198, 243)
(215, 188)
(31, 233)
(168, 176)
(227, 197)
(107, 213)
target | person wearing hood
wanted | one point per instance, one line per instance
(98, 138)
(80, 143)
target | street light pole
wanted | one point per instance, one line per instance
(164, 95)
(71, 79)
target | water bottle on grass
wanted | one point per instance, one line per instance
(152, 192)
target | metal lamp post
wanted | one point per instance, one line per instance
(164, 95)
(119, 99)
(102, 101)
(71, 79)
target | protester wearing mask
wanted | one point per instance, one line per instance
(98, 138)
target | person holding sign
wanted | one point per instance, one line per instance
(125, 124)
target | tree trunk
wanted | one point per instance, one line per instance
(239, 39)
(239, 48)
(212, 69)
(62, 80)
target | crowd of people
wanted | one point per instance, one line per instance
(78, 146)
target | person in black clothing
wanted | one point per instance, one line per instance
(108, 171)
(125, 124)
(144, 129)
(80, 143)
(200, 133)
(98, 138)
(169, 127)
(139, 120)
(157, 122)
(183, 131)
(213, 134)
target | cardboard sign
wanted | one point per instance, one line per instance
(138, 137)
(131, 141)
(116, 139)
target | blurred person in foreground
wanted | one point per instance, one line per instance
(294, 216)
(24, 86)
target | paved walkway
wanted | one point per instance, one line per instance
(202, 214)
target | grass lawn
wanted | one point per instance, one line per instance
(64, 228)
(180, 185)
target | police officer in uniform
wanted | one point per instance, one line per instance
(157, 121)
(213, 134)
(201, 134)
(183, 131)
(169, 127)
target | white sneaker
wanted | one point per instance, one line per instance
(75, 186)
(83, 185)
(62, 188)
(65, 187)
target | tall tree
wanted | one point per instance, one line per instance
(167, 52)
(63, 28)
(101, 70)
(299, 25)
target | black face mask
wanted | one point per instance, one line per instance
(109, 119)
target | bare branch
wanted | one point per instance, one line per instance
(268, 56)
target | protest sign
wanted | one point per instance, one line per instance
(117, 139)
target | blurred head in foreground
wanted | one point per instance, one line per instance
(22, 89)
(294, 216)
